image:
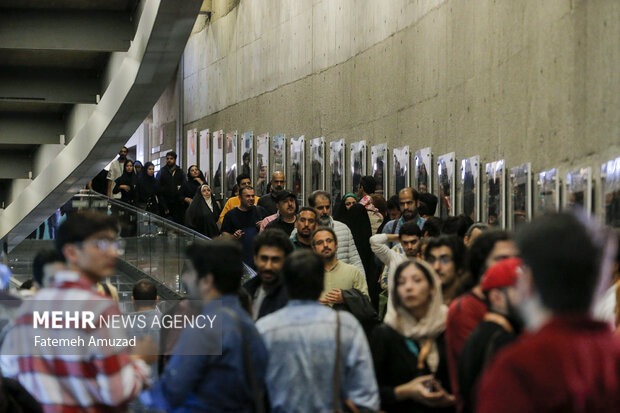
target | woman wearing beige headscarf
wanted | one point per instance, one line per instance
(409, 347)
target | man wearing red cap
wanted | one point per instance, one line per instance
(567, 362)
(499, 327)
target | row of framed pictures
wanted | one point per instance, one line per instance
(511, 196)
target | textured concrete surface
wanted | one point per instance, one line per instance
(528, 81)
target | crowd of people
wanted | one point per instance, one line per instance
(378, 306)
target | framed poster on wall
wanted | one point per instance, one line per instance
(610, 177)
(400, 168)
(378, 161)
(317, 164)
(547, 192)
(578, 189)
(192, 148)
(231, 162)
(422, 170)
(495, 189)
(520, 199)
(469, 200)
(358, 163)
(262, 164)
(446, 165)
(298, 168)
(218, 164)
(278, 153)
(336, 162)
(203, 151)
(247, 154)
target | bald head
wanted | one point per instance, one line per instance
(278, 181)
(408, 203)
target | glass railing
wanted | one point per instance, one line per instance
(152, 244)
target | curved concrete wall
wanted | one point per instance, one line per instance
(137, 80)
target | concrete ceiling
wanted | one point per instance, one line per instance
(59, 61)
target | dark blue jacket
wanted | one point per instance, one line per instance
(216, 382)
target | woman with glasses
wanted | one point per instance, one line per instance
(409, 347)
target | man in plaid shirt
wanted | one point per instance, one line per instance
(89, 379)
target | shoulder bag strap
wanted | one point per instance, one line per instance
(336, 386)
(257, 394)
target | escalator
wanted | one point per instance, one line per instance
(154, 247)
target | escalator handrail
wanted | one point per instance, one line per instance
(155, 217)
(184, 230)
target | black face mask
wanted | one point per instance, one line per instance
(122, 157)
(513, 316)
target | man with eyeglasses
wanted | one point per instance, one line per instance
(80, 378)
(270, 201)
(347, 251)
(445, 254)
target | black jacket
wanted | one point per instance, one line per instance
(130, 180)
(189, 188)
(396, 364)
(268, 201)
(276, 297)
(170, 183)
(147, 193)
(358, 304)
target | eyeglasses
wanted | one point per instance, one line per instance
(106, 244)
(444, 259)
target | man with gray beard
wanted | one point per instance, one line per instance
(347, 251)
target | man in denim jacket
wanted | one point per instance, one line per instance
(303, 335)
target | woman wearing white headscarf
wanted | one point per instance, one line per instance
(409, 347)
(203, 213)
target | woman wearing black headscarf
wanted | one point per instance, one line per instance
(203, 213)
(126, 184)
(356, 218)
(195, 179)
(147, 198)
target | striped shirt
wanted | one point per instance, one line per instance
(80, 379)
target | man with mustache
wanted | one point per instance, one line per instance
(305, 225)
(501, 326)
(347, 251)
(117, 167)
(287, 208)
(270, 201)
(271, 247)
(339, 276)
(408, 199)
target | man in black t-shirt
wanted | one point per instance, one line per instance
(287, 208)
(243, 222)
